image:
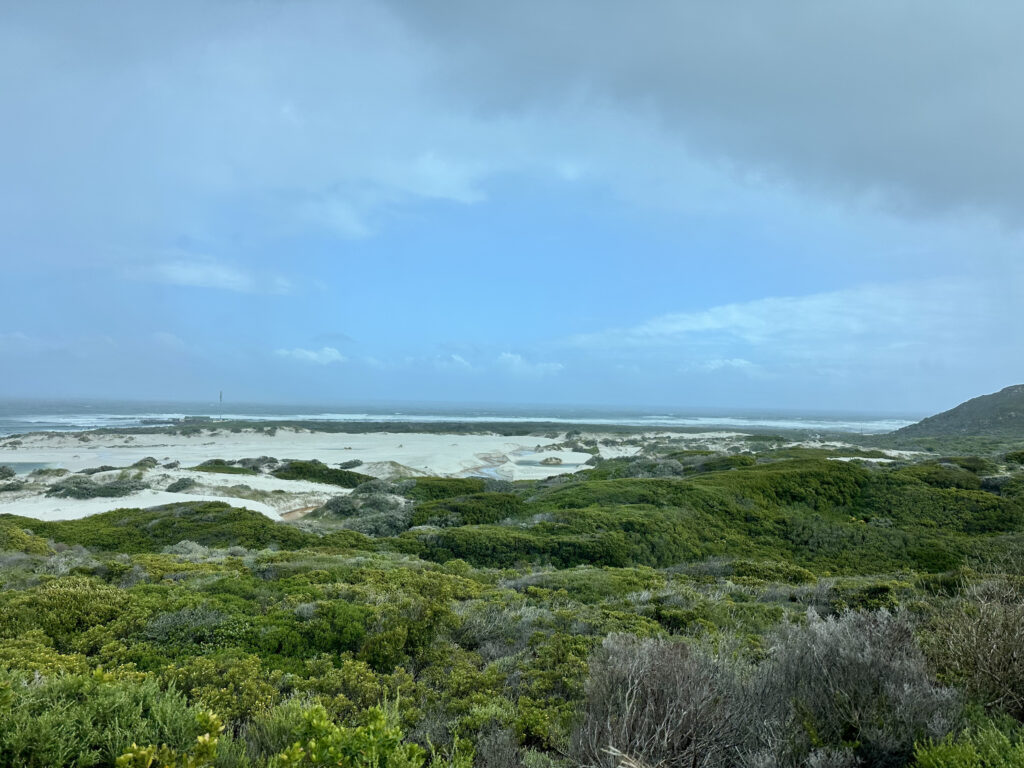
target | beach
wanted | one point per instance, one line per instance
(381, 454)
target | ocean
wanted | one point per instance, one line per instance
(21, 416)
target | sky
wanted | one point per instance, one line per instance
(748, 205)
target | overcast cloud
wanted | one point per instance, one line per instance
(555, 201)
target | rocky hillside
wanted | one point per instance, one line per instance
(1000, 414)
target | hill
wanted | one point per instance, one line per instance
(1000, 414)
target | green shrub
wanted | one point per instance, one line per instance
(988, 747)
(212, 524)
(434, 488)
(181, 484)
(15, 539)
(221, 466)
(474, 509)
(726, 462)
(84, 487)
(318, 472)
(86, 720)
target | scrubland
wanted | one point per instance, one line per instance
(769, 605)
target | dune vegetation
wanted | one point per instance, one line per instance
(765, 608)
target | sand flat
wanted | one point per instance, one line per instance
(383, 454)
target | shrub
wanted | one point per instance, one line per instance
(15, 539)
(189, 625)
(390, 523)
(1015, 457)
(49, 472)
(378, 743)
(85, 720)
(181, 484)
(987, 747)
(202, 754)
(475, 509)
(83, 487)
(720, 463)
(6, 473)
(977, 642)
(434, 488)
(857, 681)
(213, 524)
(659, 703)
(318, 472)
(257, 463)
(223, 467)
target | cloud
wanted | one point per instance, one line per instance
(869, 326)
(169, 340)
(332, 116)
(833, 97)
(454, 361)
(322, 356)
(206, 273)
(520, 366)
(719, 364)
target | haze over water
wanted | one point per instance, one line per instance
(20, 416)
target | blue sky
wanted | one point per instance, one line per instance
(797, 206)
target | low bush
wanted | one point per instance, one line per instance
(474, 509)
(858, 682)
(181, 484)
(88, 720)
(434, 488)
(658, 702)
(83, 487)
(224, 467)
(318, 472)
(987, 747)
(977, 642)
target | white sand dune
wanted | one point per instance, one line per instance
(42, 507)
(384, 454)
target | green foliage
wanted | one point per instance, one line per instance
(377, 743)
(988, 747)
(721, 463)
(203, 753)
(6, 473)
(88, 720)
(223, 467)
(213, 524)
(1014, 457)
(944, 475)
(480, 627)
(434, 488)
(49, 472)
(15, 539)
(473, 509)
(84, 487)
(318, 472)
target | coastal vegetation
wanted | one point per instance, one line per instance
(768, 606)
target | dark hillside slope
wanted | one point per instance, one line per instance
(1000, 414)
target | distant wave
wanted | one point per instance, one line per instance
(14, 423)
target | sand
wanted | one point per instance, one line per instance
(384, 455)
